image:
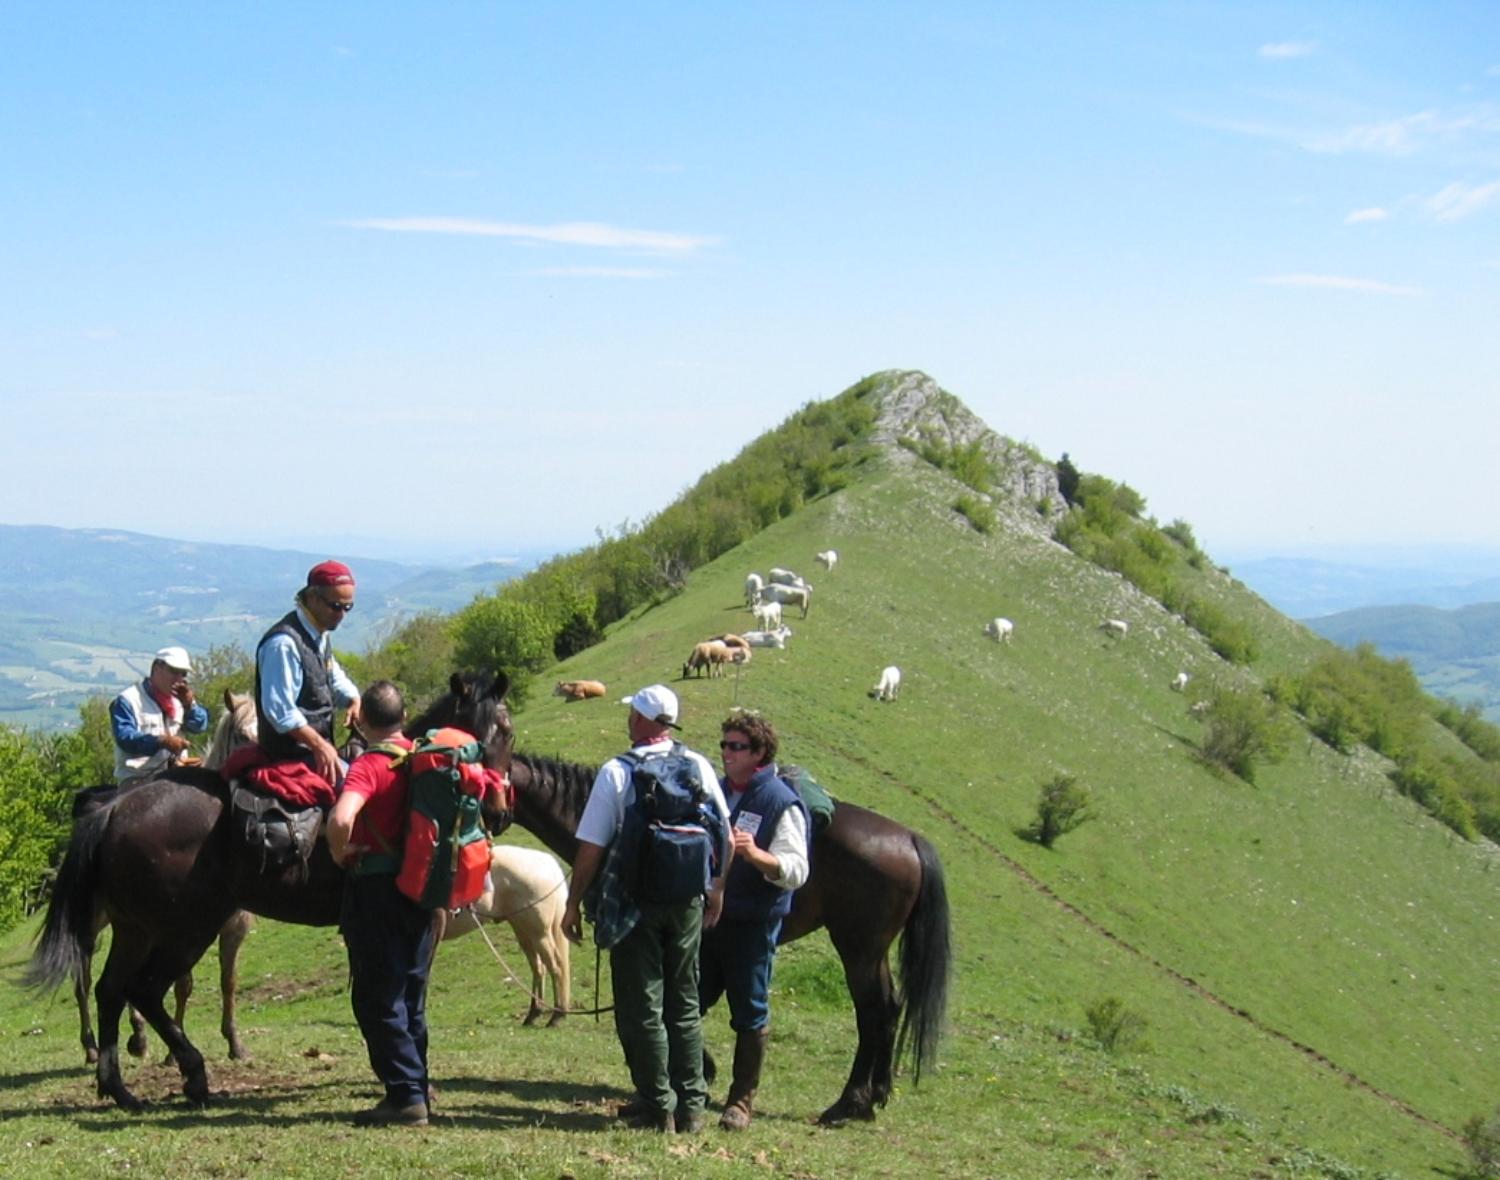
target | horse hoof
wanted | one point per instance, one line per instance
(91, 1056)
(197, 1093)
(136, 1046)
(557, 1018)
(846, 1112)
(238, 1052)
(530, 1018)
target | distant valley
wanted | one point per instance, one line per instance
(82, 609)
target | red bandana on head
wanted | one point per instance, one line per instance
(330, 573)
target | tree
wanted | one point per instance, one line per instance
(1242, 727)
(1067, 479)
(1061, 807)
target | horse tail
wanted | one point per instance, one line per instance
(67, 936)
(926, 962)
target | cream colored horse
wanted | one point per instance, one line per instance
(530, 892)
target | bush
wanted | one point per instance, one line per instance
(1242, 727)
(1114, 1027)
(976, 512)
(1062, 806)
(1482, 1138)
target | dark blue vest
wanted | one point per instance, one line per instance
(315, 700)
(748, 896)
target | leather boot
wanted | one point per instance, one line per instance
(749, 1053)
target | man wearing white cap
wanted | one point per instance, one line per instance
(149, 718)
(653, 947)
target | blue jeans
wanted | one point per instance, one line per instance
(390, 947)
(735, 959)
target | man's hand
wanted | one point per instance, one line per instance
(572, 923)
(174, 742)
(183, 691)
(326, 761)
(714, 908)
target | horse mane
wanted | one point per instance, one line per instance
(237, 725)
(568, 783)
(476, 713)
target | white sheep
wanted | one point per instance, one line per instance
(767, 615)
(776, 638)
(1000, 630)
(753, 583)
(1115, 628)
(888, 688)
(828, 558)
(1180, 682)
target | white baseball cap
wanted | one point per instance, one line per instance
(657, 703)
(175, 658)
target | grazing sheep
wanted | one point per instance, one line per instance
(1180, 682)
(776, 638)
(888, 688)
(781, 577)
(800, 596)
(1199, 709)
(1115, 628)
(712, 656)
(767, 615)
(530, 892)
(578, 690)
(828, 558)
(730, 639)
(752, 589)
(999, 630)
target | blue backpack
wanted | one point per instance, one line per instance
(681, 832)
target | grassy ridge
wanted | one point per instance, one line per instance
(1257, 929)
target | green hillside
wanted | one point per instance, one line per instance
(1314, 956)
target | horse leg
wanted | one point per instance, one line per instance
(531, 946)
(231, 938)
(875, 1013)
(109, 993)
(555, 959)
(137, 1044)
(85, 1024)
(148, 992)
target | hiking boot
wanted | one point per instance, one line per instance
(749, 1054)
(647, 1119)
(386, 1113)
(687, 1122)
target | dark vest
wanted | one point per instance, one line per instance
(315, 700)
(748, 896)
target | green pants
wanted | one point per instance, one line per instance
(655, 970)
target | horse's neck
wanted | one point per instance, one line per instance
(549, 801)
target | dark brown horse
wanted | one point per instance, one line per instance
(161, 863)
(872, 881)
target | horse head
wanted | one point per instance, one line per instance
(237, 726)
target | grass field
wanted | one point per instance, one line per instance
(1313, 958)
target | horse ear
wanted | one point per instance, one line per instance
(458, 686)
(228, 701)
(501, 685)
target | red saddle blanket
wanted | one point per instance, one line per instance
(295, 783)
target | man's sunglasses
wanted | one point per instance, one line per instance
(737, 747)
(342, 607)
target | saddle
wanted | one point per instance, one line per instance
(273, 831)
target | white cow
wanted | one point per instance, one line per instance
(1180, 682)
(776, 638)
(888, 688)
(767, 615)
(781, 577)
(1000, 630)
(828, 558)
(752, 588)
(1115, 628)
(800, 596)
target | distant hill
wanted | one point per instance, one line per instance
(81, 609)
(1305, 588)
(1455, 653)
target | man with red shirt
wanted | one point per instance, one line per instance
(389, 937)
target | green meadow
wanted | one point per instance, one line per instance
(1311, 960)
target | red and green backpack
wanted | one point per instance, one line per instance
(446, 856)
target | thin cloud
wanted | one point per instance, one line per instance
(1409, 133)
(571, 233)
(1281, 50)
(1338, 283)
(1360, 216)
(598, 272)
(1460, 200)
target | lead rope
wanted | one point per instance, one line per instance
(511, 975)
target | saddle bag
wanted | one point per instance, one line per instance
(274, 833)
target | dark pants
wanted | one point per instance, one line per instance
(390, 948)
(735, 960)
(655, 971)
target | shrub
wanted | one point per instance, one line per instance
(1242, 727)
(976, 512)
(1114, 1027)
(1062, 806)
(1482, 1138)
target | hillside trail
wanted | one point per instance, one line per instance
(1186, 981)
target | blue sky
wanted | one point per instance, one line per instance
(483, 277)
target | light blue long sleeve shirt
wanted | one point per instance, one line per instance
(280, 669)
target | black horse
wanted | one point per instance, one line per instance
(161, 863)
(872, 881)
